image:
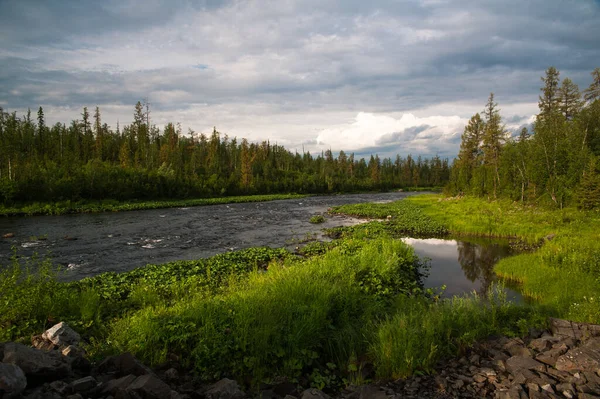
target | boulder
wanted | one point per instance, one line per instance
(123, 365)
(224, 389)
(313, 393)
(84, 384)
(36, 363)
(62, 335)
(518, 363)
(583, 358)
(148, 386)
(12, 380)
(566, 328)
(111, 387)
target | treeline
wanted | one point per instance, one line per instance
(88, 160)
(556, 162)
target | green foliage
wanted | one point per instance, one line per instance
(316, 219)
(546, 166)
(65, 207)
(288, 321)
(589, 190)
(403, 218)
(420, 332)
(562, 275)
(88, 161)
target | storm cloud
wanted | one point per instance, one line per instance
(392, 76)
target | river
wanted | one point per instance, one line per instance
(89, 244)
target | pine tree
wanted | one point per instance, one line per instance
(592, 93)
(469, 155)
(492, 140)
(41, 136)
(589, 191)
(99, 134)
(549, 100)
(570, 99)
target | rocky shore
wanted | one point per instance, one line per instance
(561, 363)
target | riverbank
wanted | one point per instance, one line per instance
(561, 275)
(68, 207)
(344, 312)
(108, 205)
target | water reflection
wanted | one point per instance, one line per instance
(462, 266)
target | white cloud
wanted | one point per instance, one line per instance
(373, 130)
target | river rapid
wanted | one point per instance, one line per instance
(89, 244)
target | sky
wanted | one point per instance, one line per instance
(382, 76)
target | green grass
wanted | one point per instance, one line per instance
(421, 332)
(261, 313)
(66, 207)
(402, 217)
(563, 275)
(295, 317)
(316, 219)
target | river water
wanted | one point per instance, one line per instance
(89, 244)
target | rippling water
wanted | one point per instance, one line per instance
(89, 244)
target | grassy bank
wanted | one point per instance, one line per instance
(354, 304)
(317, 320)
(66, 207)
(562, 275)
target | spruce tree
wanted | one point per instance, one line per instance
(570, 99)
(549, 100)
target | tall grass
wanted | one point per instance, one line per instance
(295, 317)
(563, 274)
(421, 332)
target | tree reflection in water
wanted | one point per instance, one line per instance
(477, 261)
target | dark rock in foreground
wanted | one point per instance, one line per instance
(565, 364)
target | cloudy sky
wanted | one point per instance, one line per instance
(363, 76)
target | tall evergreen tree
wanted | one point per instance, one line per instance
(570, 99)
(592, 93)
(549, 101)
(492, 140)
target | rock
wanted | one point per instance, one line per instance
(583, 358)
(171, 374)
(8, 235)
(111, 387)
(12, 380)
(84, 384)
(75, 396)
(290, 397)
(123, 365)
(284, 388)
(313, 393)
(39, 342)
(369, 392)
(224, 389)
(516, 347)
(36, 363)
(574, 330)
(515, 392)
(540, 344)
(60, 387)
(547, 388)
(73, 351)
(148, 386)
(518, 363)
(62, 335)
(550, 357)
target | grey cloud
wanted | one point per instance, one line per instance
(296, 56)
(406, 134)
